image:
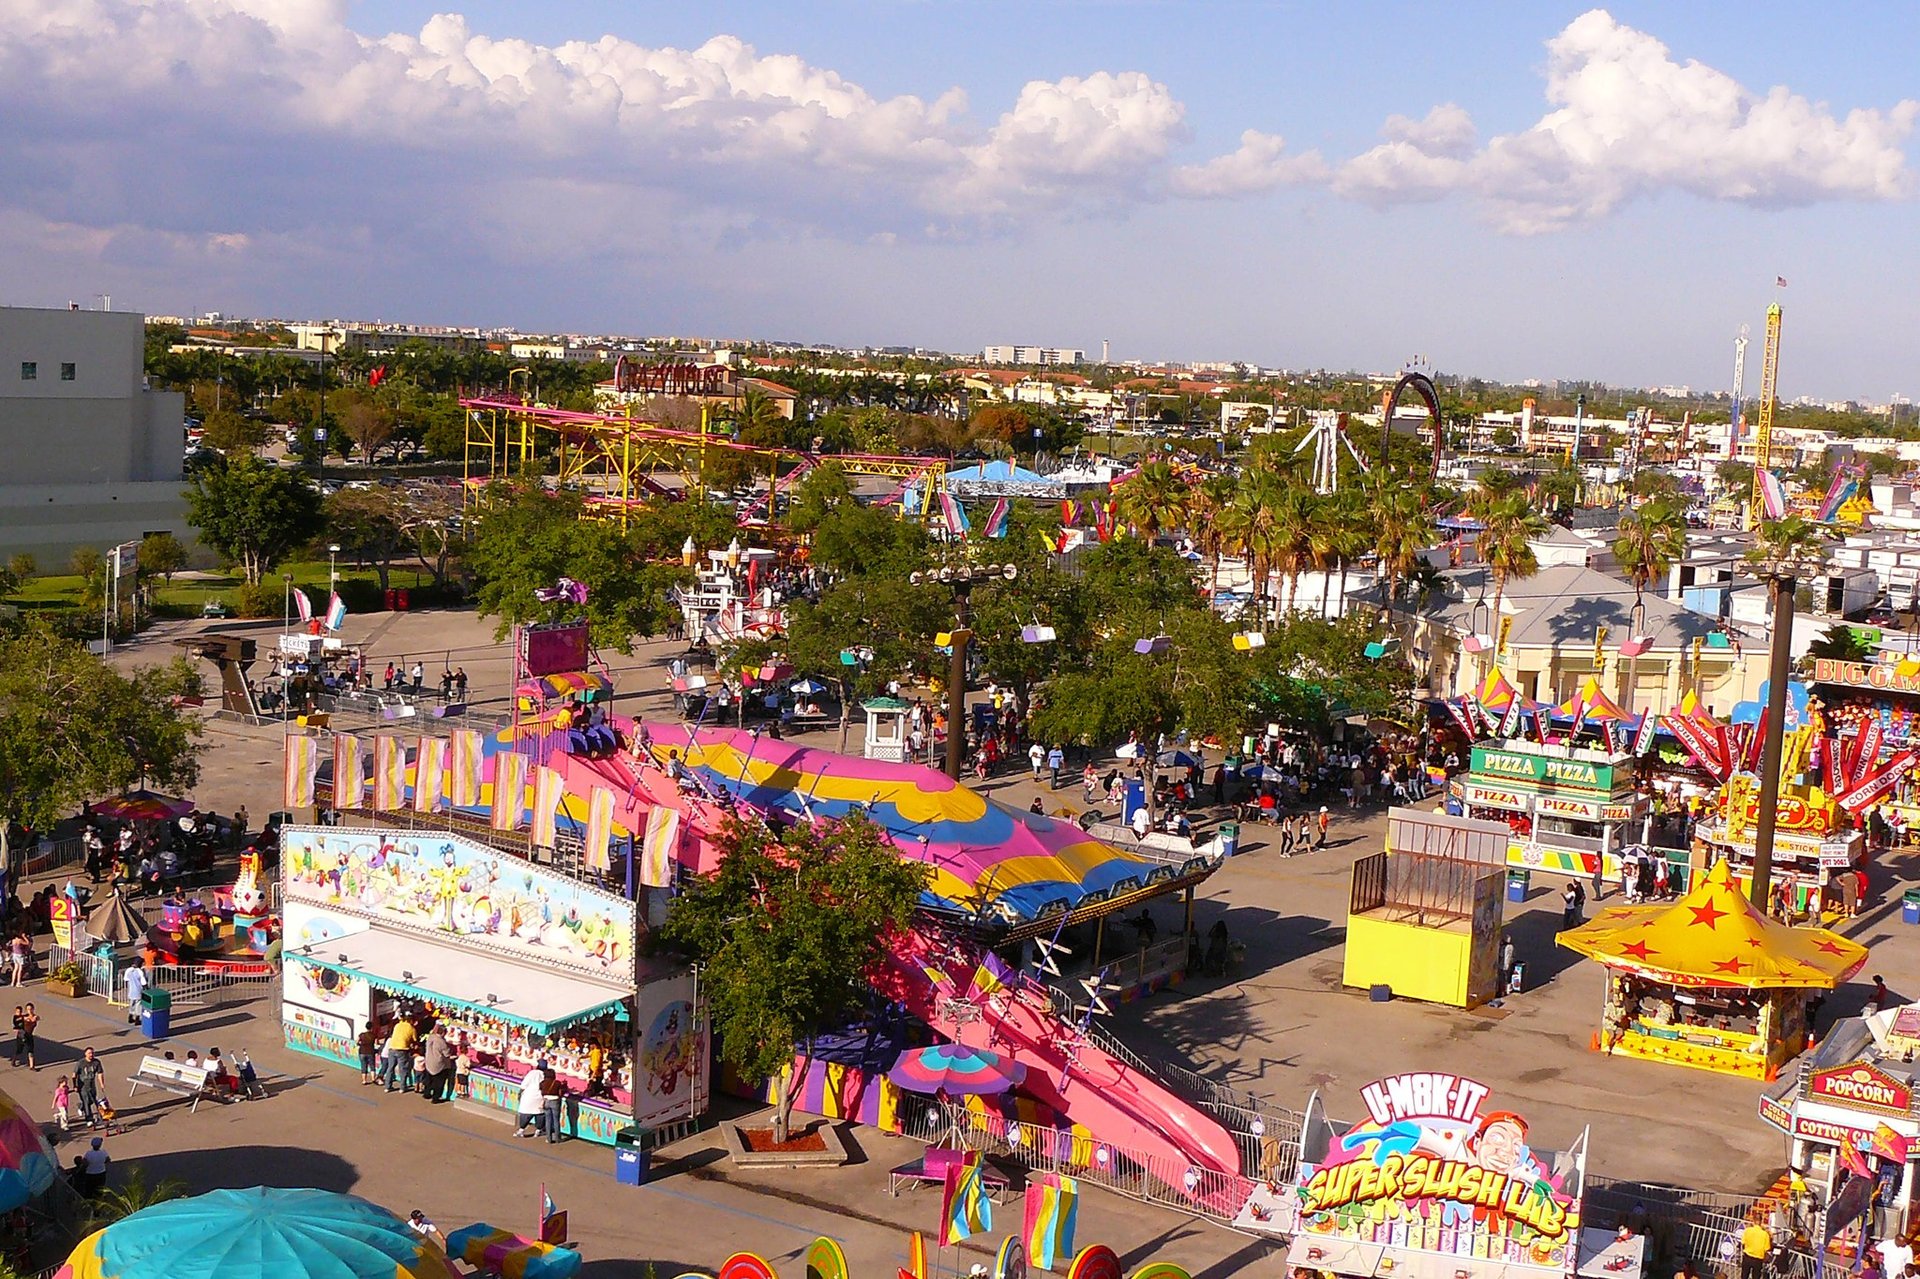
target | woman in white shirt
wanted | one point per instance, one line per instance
(532, 1105)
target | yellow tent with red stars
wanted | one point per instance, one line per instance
(1713, 936)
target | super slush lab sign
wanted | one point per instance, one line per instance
(1430, 1169)
(1542, 770)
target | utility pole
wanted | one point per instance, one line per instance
(961, 581)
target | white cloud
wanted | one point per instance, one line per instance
(1259, 163)
(1629, 120)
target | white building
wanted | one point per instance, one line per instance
(1032, 355)
(92, 455)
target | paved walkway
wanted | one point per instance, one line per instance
(1283, 1028)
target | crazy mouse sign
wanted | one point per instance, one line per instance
(1433, 1167)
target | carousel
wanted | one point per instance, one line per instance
(1709, 981)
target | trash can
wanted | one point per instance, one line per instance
(156, 1012)
(390, 599)
(400, 597)
(631, 1156)
(1910, 907)
(1518, 882)
(1229, 838)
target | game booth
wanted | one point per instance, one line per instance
(524, 963)
(1848, 1112)
(1424, 916)
(1708, 981)
(1434, 1183)
(1567, 807)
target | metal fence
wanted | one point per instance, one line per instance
(1218, 1196)
(51, 855)
(1683, 1223)
(190, 985)
(101, 969)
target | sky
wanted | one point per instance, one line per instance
(1506, 190)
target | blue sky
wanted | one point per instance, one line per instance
(1506, 189)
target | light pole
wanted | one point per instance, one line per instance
(1784, 552)
(333, 574)
(286, 604)
(961, 580)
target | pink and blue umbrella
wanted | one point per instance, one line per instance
(261, 1233)
(956, 1070)
(26, 1160)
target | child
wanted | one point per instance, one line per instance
(417, 1081)
(62, 1099)
(249, 1077)
(463, 1068)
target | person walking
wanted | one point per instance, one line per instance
(1325, 821)
(398, 1062)
(553, 1100)
(532, 1104)
(27, 1025)
(1571, 901)
(93, 1169)
(418, 675)
(1089, 783)
(135, 982)
(87, 1079)
(1056, 760)
(460, 683)
(439, 1063)
(18, 949)
(369, 1046)
(1037, 756)
(391, 675)
(1756, 1247)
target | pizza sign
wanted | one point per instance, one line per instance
(1862, 1085)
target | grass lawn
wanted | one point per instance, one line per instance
(187, 596)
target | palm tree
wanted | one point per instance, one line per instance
(1651, 539)
(1784, 551)
(1248, 524)
(1208, 521)
(1152, 498)
(132, 1195)
(1290, 536)
(1402, 529)
(1505, 542)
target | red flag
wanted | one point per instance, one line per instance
(378, 376)
(1867, 751)
(1864, 794)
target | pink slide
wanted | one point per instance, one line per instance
(1110, 1099)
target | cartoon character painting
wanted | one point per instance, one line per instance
(1430, 1169)
(667, 1052)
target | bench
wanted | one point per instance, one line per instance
(931, 1170)
(171, 1076)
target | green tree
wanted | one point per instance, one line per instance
(254, 513)
(72, 728)
(788, 931)
(370, 526)
(1153, 498)
(1403, 529)
(1506, 541)
(1840, 643)
(526, 539)
(1650, 539)
(232, 432)
(23, 567)
(161, 555)
(86, 561)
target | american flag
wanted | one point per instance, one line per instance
(1779, 281)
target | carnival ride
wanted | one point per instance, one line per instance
(994, 873)
(618, 460)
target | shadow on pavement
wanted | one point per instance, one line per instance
(235, 1167)
(1532, 933)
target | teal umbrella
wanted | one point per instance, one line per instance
(261, 1233)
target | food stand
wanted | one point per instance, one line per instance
(527, 964)
(1709, 981)
(1436, 1184)
(1810, 844)
(1570, 808)
(1852, 1103)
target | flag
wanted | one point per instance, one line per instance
(509, 789)
(916, 1267)
(429, 774)
(661, 841)
(954, 514)
(990, 976)
(468, 751)
(336, 612)
(1052, 1213)
(1510, 722)
(1773, 494)
(349, 772)
(1643, 735)
(1866, 750)
(549, 788)
(1457, 707)
(1870, 790)
(1779, 281)
(302, 605)
(553, 1222)
(389, 773)
(599, 829)
(302, 766)
(997, 518)
(965, 1210)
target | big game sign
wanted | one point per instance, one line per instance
(1431, 1168)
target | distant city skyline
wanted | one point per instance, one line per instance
(1517, 192)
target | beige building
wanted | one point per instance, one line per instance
(1564, 624)
(91, 456)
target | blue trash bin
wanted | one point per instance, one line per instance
(156, 1023)
(1910, 907)
(1517, 884)
(1229, 838)
(630, 1157)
